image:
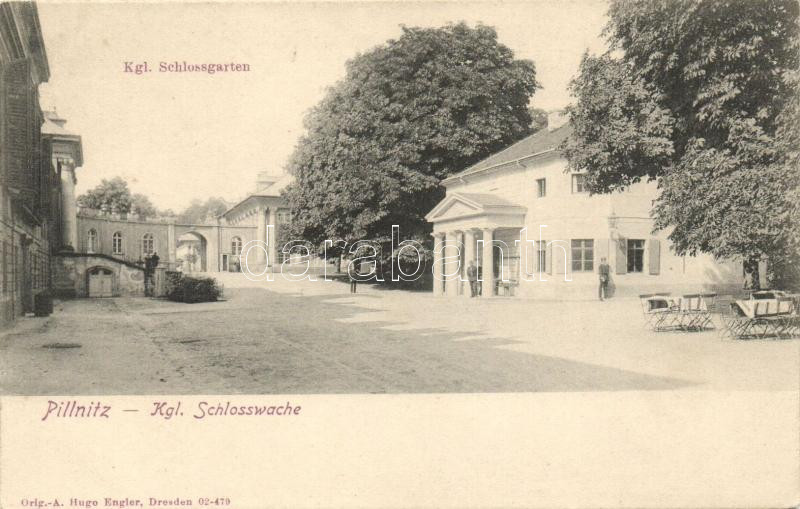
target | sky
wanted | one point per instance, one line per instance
(180, 136)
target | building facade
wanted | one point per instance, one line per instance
(117, 243)
(544, 236)
(29, 184)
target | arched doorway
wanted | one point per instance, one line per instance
(100, 282)
(191, 252)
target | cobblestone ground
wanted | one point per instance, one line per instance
(286, 337)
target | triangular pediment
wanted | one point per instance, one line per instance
(456, 208)
(453, 207)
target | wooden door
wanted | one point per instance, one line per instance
(100, 283)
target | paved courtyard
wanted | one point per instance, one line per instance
(282, 337)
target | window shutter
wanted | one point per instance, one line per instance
(654, 254)
(622, 256)
(560, 259)
(18, 134)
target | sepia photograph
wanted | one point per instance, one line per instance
(566, 232)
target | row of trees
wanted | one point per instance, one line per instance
(114, 195)
(701, 96)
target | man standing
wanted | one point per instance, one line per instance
(353, 273)
(604, 271)
(472, 276)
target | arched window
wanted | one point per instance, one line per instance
(116, 243)
(148, 244)
(91, 241)
(236, 245)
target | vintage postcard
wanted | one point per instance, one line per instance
(400, 254)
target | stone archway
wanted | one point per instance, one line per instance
(192, 252)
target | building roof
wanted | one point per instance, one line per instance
(539, 142)
(53, 127)
(273, 191)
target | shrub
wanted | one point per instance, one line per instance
(193, 289)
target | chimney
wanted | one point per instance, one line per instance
(556, 119)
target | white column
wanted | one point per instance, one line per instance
(273, 240)
(171, 240)
(469, 255)
(451, 283)
(438, 286)
(261, 234)
(69, 206)
(487, 286)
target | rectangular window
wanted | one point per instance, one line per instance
(635, 255)
(582, 255)
(541, 188)
(541, 256)
(579, 183)
(117, 243)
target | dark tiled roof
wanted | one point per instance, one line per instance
(538, 142)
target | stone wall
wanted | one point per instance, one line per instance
(70, 275)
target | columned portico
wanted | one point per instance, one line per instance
(477, 216)
(451, 263)
(438, 285)
(469, 256)
(487, 263)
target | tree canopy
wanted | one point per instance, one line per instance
(538, 119)
(201, 211)
(142, 206)
(112, 195)
(407, 114)
(701, 96)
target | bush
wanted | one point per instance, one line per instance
(193, 289)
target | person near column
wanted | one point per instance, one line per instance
(353, 273)
(472, 276)
(604, 272)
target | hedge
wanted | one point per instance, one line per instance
(188, 289)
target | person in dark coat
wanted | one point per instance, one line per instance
(472, 277)
(604, 272)
(353, 273)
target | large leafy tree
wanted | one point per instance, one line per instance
(407, 114)
(700, 95)
(112, 195)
